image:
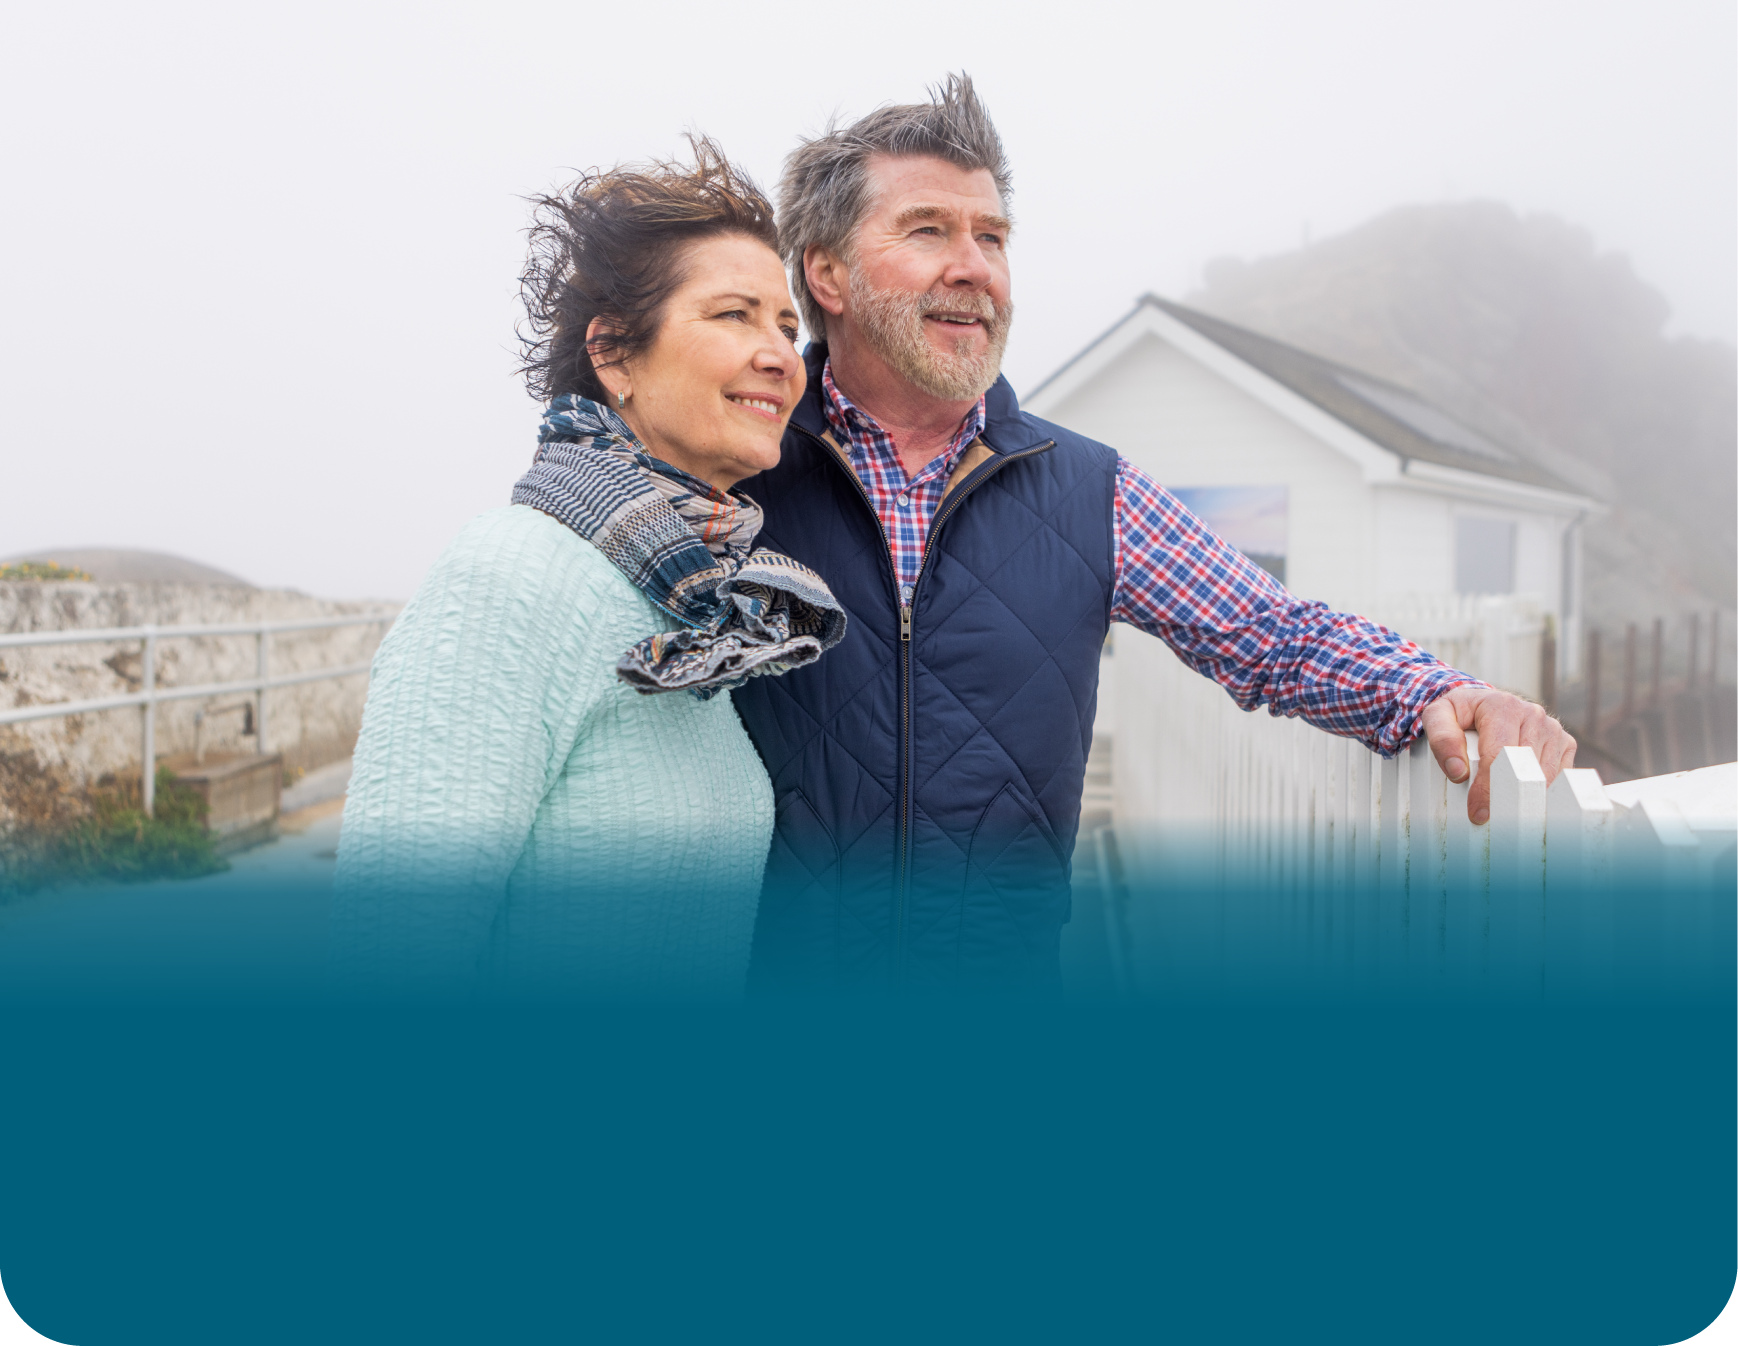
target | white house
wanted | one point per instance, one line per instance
(1354, 490)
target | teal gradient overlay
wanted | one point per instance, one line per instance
(1255, 1142)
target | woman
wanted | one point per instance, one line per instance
(548, 790)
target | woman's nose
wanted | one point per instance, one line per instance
(775, 358)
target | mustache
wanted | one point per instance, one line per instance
(978, 304)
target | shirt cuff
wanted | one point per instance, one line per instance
(1414, 696)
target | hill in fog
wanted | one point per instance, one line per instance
(117, 565)
(1519, 325)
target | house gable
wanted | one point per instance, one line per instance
(1346, 410)
(1148, 322)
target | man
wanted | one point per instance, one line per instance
(928, 770)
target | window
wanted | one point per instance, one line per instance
(1484, 555)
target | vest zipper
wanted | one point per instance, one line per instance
(906, 597)
(908, 605)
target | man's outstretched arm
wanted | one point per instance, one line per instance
(1232, 621)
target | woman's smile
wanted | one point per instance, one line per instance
(759, 405)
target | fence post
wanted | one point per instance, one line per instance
(148, 753)
(1659, 651)
(1655, 905)
(1360, 933)
(1517, 882)
(1390, 885)
(1579, 828)
(1593, 686)
(1426, 858)
(1629, 672)
(1466, 852)
(261, 663)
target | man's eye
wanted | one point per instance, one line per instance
(993, 239)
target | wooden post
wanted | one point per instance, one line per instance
(1629, 671)
(1464, 911)
(1360, 932)
(1426, 867)
(1390, 886)
(1581, 827)
(1593, 686)
(262, 661)
(1517, 871)
(1548, 666)
(148, 751)
(1656, 921)
(1659, 651)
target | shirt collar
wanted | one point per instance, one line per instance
(852, 425)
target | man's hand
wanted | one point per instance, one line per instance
(1502, 720)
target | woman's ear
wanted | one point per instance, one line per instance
(613, 376)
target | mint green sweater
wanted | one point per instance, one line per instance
(517, 813)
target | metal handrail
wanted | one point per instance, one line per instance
(102, 635)
(150, 694)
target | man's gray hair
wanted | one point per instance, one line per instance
(825, 191)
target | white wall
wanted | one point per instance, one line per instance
(1372, 548)
(1188, 427)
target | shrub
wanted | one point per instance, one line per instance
(119, 843)
(41, 570)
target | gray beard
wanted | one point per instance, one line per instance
(892, 322)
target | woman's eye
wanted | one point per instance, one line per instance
(734, 313)
(790, 334)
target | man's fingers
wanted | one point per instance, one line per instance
(1550, 749)
(1446, 738)
(1478, 799)
(1502, 721)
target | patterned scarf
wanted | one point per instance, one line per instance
(688, 547)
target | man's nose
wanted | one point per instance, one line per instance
(967, 267)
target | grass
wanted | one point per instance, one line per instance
(118, 843)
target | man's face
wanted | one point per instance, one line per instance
(929, 285)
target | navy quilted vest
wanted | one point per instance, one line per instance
(928, 769)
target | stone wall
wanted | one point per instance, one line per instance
(46, 764)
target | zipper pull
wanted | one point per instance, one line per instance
(905, 611)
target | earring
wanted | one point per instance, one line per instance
(621, 400)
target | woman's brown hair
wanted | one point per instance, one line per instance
(612, 246)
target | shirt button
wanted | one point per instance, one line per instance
(905, 502)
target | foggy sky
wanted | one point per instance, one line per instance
(259, 278)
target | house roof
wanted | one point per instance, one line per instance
(1392, 417)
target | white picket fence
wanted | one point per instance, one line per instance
(1291, 845)
(1496, 637)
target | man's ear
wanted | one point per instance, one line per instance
(828, 277)
(614, 377)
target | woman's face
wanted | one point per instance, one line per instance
(713, 392)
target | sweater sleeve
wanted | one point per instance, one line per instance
(478, 695)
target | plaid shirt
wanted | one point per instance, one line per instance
(1224, 616)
